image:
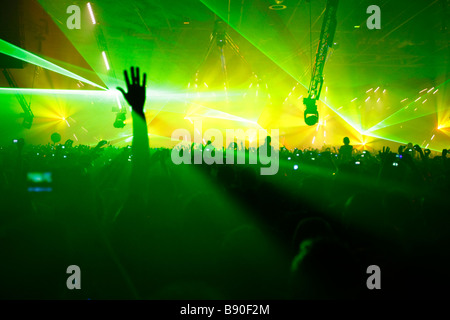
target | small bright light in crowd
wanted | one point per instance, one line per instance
(324, 133)
(314, 139)
(326, 89)
(436, 91)
(377, 89)
(63, 119)
(257, 85)
(106, 60)
(368, 98)
(295, 167)
(384, 91)
(267, 86)
(189, 85)
(418, 99)
(378, 99)
(353, 99)
(404, 100)
(91, 13)
(357, 27)
(430, 90)
(268, 95)
(205, 84)
(250, 85)
(432, 137)
(424, 101)
(256, 92)
(75, 136)
(186, 22)
(369, 90)
(289, 158)
(423, 90)
(196, 86)
(364, 143)
(427, 146)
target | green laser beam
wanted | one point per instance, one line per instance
(379, 125)
(21, 54)
(272, 59)
(53, 91)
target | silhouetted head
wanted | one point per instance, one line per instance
(346, 141)
(324, 269)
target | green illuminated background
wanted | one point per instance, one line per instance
(381, 87)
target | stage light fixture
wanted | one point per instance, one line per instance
(91, 12)
(27, 120)
(278, 6)
(120, 120)
(311, 114)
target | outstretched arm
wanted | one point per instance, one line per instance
(140, 147)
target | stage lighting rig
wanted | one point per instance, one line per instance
(27, 113)
(120, 120)
(27, 119)
(220, 33)
(219, 39)
(311, 114)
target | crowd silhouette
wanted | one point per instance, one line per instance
(141, 227)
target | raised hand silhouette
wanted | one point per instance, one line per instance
(136, 92)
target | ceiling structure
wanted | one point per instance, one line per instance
(381, 86)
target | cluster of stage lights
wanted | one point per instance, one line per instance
(120, 120)
(94, 22)
(205, 84)
(249, 36)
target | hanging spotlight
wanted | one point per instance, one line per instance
(120, 120)
(278, 6)
(220, 32)
(27, 119)
(311, 114)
